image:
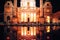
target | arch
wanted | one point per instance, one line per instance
(47, 4)
(8, 3)
(8, 18)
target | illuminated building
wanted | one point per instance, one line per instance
(28, 12)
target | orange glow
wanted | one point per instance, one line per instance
(25, 17)
(8, 9)
(22, 32)
(31, 30)
(48, 28)
(55, 20)
(18, 32)
(35, 17)
(54, 28)
(14, 20)
(48, 19)
(25, 30)
(34, 30)
(28, 32)
(48, 10)
(14, 27)
(22, 17)
(31, 17)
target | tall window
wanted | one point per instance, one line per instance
(23, 17)
(33, 17)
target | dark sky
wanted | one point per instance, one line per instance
(55, 4)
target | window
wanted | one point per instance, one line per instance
(47, 4)
(34, 17)
(31, 17)
(8, 4)
(23, 17)
(8, 18)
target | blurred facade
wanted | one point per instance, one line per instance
(28, 12)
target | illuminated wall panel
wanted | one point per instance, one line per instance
(25, 17)
(35, 17)
(31, 17)
(22, 16)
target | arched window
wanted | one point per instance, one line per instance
(47, 4)
(8, 4)
(8, 18)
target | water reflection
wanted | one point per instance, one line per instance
(34, 33)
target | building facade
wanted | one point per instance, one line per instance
(28, 12)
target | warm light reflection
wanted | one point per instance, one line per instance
(31, 30)
(28, 32)
(22, 32)
(55, 20)
(48, 28)
(25, 30)
(34, 30)
(54, 28)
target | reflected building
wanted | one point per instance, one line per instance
(28, 12)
